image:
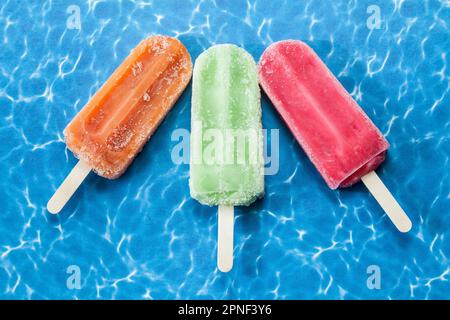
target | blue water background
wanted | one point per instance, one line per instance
(142, 236)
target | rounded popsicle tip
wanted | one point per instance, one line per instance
(404, 226)
(274, 50)
(287, 42)
(223, 47)
(159, 41)
(225, 266)
(53, 207)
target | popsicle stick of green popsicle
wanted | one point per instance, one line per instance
(226, 166)
(225, 238)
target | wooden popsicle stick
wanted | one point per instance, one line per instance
(387, 201)
(68, 187)
(225, 238)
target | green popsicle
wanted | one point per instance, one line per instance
(227, 166)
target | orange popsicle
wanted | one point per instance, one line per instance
(114, 125)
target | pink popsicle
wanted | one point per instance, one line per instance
(336, 134)
(333, 130)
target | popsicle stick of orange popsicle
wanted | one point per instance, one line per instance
(68, 187)
(115, 124)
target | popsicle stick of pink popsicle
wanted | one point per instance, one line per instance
(338, 137)
(387, 201)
